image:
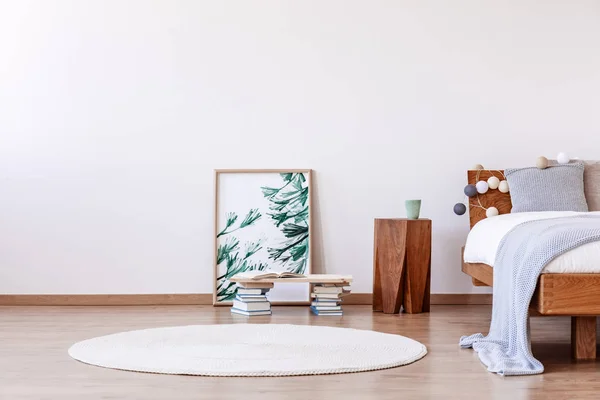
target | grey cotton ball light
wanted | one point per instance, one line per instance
(470, 190)
(459, 209)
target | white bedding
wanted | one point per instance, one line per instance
(485, 237)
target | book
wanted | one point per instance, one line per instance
(251, 291)
(258, 275)
(326, 308)
(255, 285)
(328, 289)
(251, 299)
(331, 284)
(326, 302)
(261, 306)
(332, 313)
(256, 296)
(329, 295)
(250, 313)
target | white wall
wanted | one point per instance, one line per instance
(113, 115)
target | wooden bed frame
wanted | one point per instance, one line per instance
(575, 295)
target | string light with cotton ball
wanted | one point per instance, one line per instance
(563, 158)
(503, 186)
(491, 212)
(470, 191)
(482, 187)
(542, 162)
(460, 209)
(493, 182)
(473, 191)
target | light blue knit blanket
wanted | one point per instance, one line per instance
(522, 254)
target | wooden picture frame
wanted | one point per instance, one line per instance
(259, 241)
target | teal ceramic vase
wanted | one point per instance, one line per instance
(413, 208)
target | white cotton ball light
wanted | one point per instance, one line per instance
(482, 187)
(493, 182)
(491, 212)
(563, 158)
(541, 162)
(477, 166)
(503, 187)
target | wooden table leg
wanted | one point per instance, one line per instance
(426, 298)
(388, 263)
(377, 291)
(417, 267)
(583, 338)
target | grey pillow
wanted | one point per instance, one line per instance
(556, 188)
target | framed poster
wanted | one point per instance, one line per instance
(262, 222)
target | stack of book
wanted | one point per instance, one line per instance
(251, 299)
(327, 299)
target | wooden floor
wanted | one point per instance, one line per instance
(34, 363)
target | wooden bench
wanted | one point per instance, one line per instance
(312, 279)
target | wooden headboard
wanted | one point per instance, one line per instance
(492, 198)
(495, 198)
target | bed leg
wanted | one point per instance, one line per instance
(583, 338)
(477, 282)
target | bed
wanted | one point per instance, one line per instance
(568, 286)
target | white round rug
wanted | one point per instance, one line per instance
(249, 350)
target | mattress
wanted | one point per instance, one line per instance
(485, 237)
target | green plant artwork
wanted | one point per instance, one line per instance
(274, 230)
(289, 212)
(229, 254)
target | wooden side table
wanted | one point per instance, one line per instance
(402, 265)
